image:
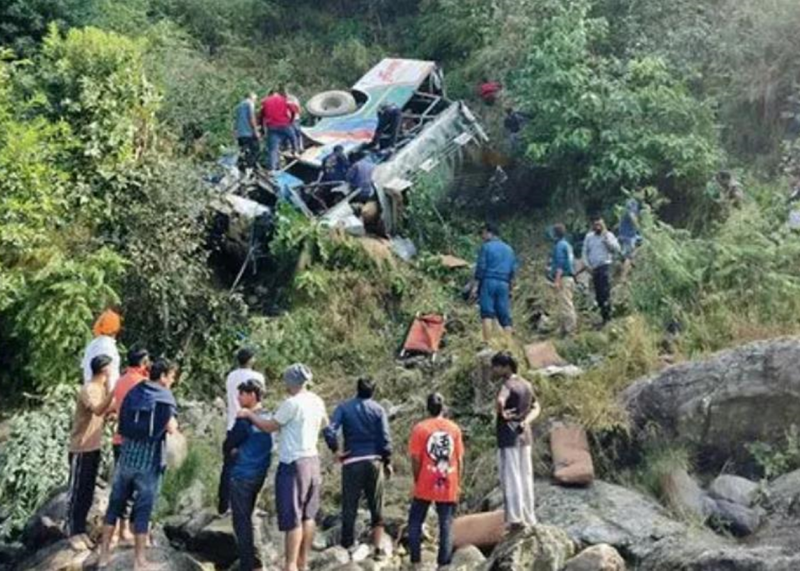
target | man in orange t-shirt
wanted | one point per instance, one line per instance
(137, 371)
(437, 459)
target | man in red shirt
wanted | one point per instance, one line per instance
(437, 460)
(489, 90)
(138, 370)
(277, 117)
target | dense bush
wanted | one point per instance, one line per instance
(33, 460)
(740, 280)
(601, 124)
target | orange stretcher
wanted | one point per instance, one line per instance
(424, 335)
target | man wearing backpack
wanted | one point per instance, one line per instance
(146, 416)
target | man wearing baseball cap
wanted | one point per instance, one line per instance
(298, 482)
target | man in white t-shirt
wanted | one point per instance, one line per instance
(298, 483)
(245, 359)
(105, 330)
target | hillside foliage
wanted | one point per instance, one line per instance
(111, 112)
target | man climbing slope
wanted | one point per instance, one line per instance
(599, 248)
(494, 281)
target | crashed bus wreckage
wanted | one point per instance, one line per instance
(433, 132)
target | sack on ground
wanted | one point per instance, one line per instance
(481, 530)
(572, 462)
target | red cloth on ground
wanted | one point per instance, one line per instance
(425, 334)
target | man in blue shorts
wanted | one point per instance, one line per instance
(494, 280)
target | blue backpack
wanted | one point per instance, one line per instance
(146, 412)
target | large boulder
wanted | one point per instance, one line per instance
(747, 394)
(784, 494)
(696, 556)
(734, 489)
(542, 548)
(597, 558)
(63, 555)
(632, 523)
(159, 559)
(205, 534)
(467, 558)
(331, 558)
(736, 519)
(646, 536)
(48, 524)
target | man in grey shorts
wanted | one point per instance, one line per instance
(298, 482)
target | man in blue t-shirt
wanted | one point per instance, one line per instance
(562, 275)
(250, 449)
(494, 280)
(246, 131)
(628, 234)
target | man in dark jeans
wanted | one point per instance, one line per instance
(94, 401)
(246, 131)
(365, 459)
(250, 449)
(599, 248)
(437, 456)
(146, 416)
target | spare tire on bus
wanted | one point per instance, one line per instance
(331, 104)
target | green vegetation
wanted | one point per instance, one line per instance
(34, 463)
(777, 460)
(110, 113)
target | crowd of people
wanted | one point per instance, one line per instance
(358, 434)
(496, 266)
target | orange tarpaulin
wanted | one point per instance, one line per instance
(424, 335)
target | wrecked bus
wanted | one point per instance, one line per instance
(434, 132)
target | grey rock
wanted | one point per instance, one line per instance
(467, 557)
(734, 489)
(63, 555)
(646, 536)
(201, 419)
(205, 534)
(737, 519)
(784, 494)
(10, 553)
(629, 521)
(182, 530)
(191, 500)
(48, 523)
(542, 548)
(747, 394)
(695, 556)
(597, 558)
(492, 501)
(332, 558)
(159, 558)
(216, 542)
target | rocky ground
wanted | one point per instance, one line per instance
(729, 524)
